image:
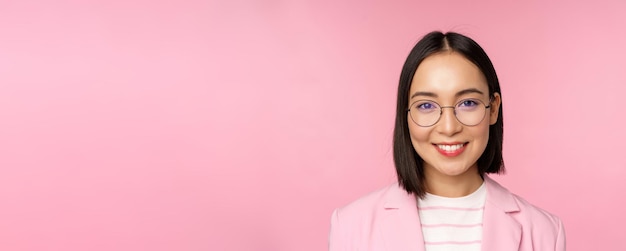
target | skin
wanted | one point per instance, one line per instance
(445, 78)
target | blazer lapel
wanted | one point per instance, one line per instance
(500, 230)
(401, 227)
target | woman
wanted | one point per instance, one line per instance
(447, 137)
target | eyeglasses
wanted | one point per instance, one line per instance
(469, 112)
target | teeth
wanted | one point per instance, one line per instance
(450, 148)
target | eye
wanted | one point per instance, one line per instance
(468, 103)
(426, 106)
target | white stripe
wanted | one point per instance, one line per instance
(456, 220)
(442, 216)
(470, 247)
(439, 234)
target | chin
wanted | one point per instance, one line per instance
(452, 170)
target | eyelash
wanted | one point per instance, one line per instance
(473, 102)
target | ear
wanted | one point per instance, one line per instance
(494, 111)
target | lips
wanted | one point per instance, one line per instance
(451, 149)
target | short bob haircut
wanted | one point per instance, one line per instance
(409, 165)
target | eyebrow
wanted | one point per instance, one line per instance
(458, 94)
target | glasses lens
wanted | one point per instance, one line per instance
(470, 112)
(425, 113)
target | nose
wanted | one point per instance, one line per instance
(448, 123)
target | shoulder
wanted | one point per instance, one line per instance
(369, 204)
(520, 208)
(542, 228)
(365, 212)
(535, 213)
(353, 225)
(536, 222)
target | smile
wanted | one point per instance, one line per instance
(451, 150)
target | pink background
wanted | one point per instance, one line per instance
(194, 125)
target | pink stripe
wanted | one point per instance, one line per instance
(452, 225)
(452, 242)
(451, 208)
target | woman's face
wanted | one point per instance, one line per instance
(449, 148)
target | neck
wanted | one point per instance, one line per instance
(453, 186)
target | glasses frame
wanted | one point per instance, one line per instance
(453, 109)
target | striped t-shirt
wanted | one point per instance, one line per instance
(453, 223)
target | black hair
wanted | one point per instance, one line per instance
(409, 165)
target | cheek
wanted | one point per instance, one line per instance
(418, 135)
(481, 132)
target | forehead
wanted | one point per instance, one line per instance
(447, 73)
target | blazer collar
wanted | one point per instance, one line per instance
(500, 197)
(402, 228)
(500, 230)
